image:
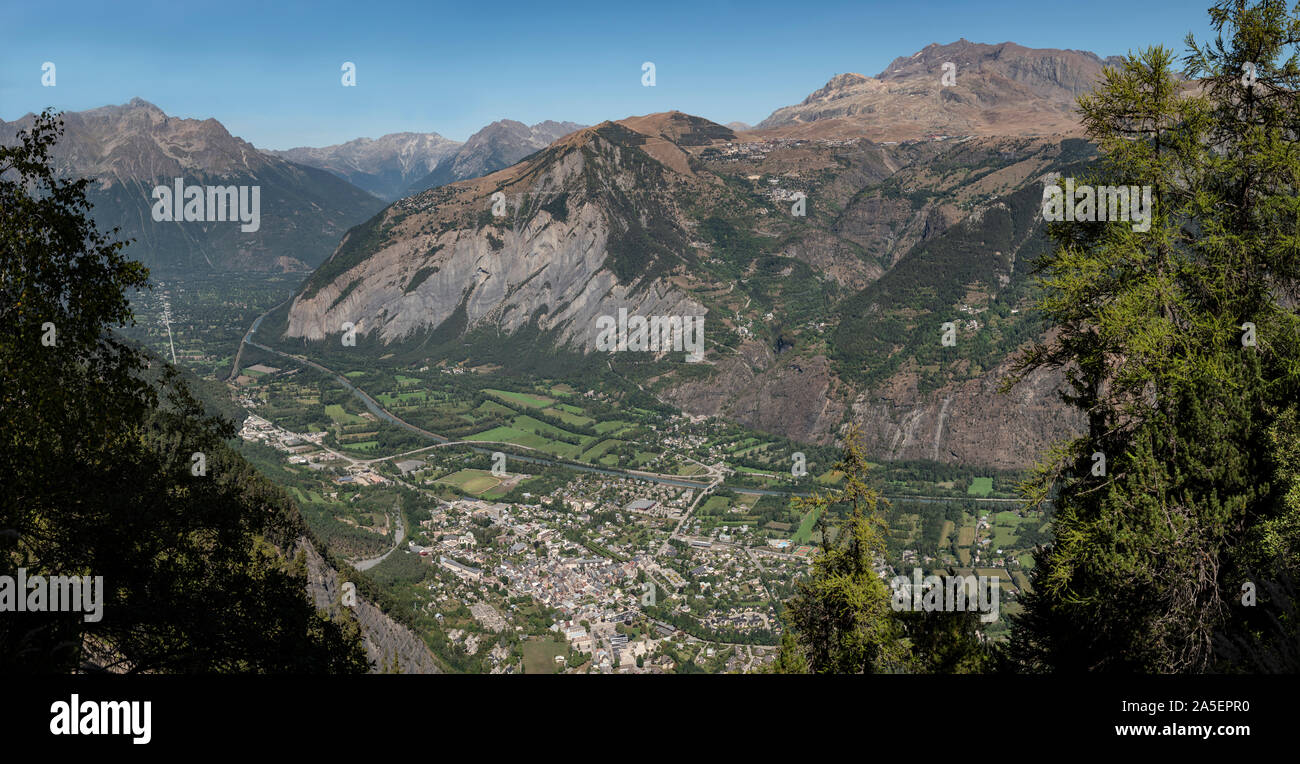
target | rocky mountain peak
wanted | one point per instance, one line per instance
(994, 89)
(139, 103)
(129, 148)
(384, 166)
(495, 147)
(838, 84)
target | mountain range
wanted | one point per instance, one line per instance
(921, 199)
(812, 321)
(401, 164)
(386, 167)
(493, 148)
(131, 148)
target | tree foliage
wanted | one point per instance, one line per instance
(841, 615)
(96, 460)
(1149, 555)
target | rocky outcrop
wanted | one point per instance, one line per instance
(797, 397)
(971, 423)
(545, 260)
(385, 640)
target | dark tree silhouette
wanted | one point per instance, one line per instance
(95, 465)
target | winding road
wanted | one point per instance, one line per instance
(397, 541)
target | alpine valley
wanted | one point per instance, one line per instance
(813, 321)
(415, 341)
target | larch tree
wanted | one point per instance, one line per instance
(1180, 347)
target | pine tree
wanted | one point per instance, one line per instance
(946, 643)
(841, 618)
(1179, 352)
(789, 658)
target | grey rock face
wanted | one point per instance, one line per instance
(502, 273)
(384, 638)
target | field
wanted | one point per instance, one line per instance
(566, 415)
(946, 533)
(597, 451)
(335, 411)
(539, 656)
(1006, 529)
(612, 426)
(471, 481)
(834, 477)
(532, 401)
(512, 434)
(980, 486)
(715, 505)
(806, 527)
(310, 497)
(1021, 580)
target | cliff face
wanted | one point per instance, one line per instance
(385, 640)
(813, 322)
(546, 259)
(968, 423)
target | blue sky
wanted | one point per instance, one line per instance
(271, 71)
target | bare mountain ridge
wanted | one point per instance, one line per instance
(120, 143)
(129, 149)
(433, 254)
(495, 147)
(385, 166)
(1004, 89)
